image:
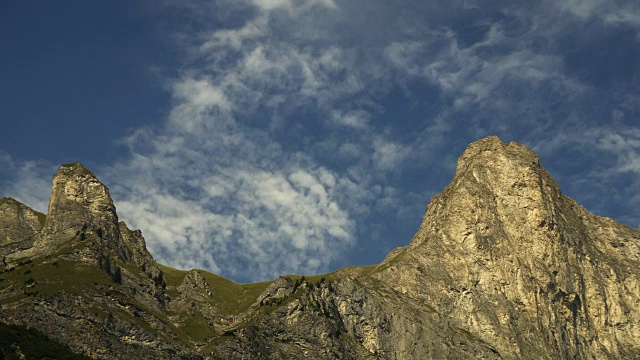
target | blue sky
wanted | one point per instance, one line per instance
(256, 138)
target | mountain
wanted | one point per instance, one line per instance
(503, 266)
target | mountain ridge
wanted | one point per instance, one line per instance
(503, 265)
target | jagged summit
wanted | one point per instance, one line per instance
(492, 147)
(74, 167)
(8, 200)
(495, 183)
(502, 233)
(79, 203)
(81, 215)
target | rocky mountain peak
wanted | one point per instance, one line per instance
(492, 148)
(504, 245)
(79, 206)
(498, 190)
(503, 169)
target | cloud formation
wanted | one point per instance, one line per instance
(307, 135)
(28, 182)
(281, 149)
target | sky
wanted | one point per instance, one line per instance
(258, 138)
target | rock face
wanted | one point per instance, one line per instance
(84, 278)
(503, 266)
(79, 203)
(19, 226)
(511, 260)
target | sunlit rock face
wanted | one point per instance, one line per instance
(79, 207)
(81, 211)
(503, 255)
(19, 226)
(503, 266)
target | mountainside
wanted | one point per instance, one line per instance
(502, 266)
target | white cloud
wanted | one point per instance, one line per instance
(610, 12)
(404, 56)
(28, 182)
(178, 228)
(267, 5)
(272, 4)
(623, 145)
(608, 159)
(209, 185)
(388, 155)
(235, 38)
(201, 94)
(255, 224)
(357, 119)
(582, 8)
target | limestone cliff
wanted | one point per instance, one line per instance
(503, 255)
(503, 266)
(19, 226)
(79, 204)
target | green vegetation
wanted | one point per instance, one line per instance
(45, 278)
(61, 273)
(231, 297)
(197, 328)
(173, 278)
(111, 268)
(19, 342)
(159, 280)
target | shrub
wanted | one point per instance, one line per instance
(159, 280)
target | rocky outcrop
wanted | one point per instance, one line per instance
(503, 266)
(503, 255)
(195, 299)
(19, 226)
(81, 208)
(89, 281)
(278, 289)
(133, 248)
(81, 211)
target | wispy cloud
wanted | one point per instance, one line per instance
(295, 126)
(624, 145)
(279, 145)
(28, 182)
(209, 185)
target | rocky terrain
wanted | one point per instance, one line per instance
(503, 266)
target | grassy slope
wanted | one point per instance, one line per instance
(45, 276)
(231, 297)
